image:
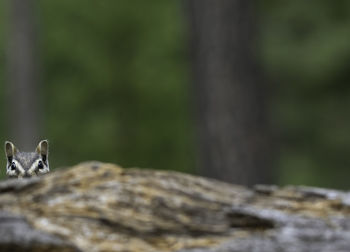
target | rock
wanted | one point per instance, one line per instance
(102, 207)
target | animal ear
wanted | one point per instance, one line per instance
(43, 149)
(10, 150)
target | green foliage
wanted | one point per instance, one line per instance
(306, 55)
(116, 77)
(116, 83)
(2, 80)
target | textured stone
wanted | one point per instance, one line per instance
(102, 207)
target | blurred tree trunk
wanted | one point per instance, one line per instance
(22, 80)
(231, 120)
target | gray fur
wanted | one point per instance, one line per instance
(26, 164)
(26, 159)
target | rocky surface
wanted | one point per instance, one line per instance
(102, 207)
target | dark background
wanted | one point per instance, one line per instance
(132, 82)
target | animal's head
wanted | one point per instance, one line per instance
(27, 164)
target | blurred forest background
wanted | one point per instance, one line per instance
(113, 82)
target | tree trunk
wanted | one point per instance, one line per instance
(229, 93)
(22, 88)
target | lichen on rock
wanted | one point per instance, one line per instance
(102, 207)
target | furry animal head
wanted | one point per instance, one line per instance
(27, 164)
